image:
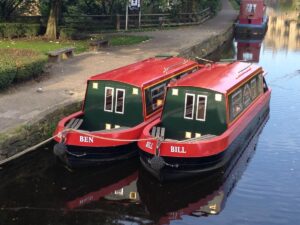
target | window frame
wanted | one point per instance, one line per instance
(112, 102)
(205, 107)
(116, 100)
(253, 86)
(249, 100)
(193, 106)
(233, 114)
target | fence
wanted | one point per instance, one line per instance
(117, 22)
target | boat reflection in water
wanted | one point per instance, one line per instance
(248, 49)
(198, 197)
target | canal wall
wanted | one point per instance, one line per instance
(40, 128)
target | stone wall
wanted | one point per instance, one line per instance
(33, 132)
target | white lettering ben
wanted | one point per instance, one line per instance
(86, 139)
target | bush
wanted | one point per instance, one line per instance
(67, 33)
(12, 30)
(8, 71)
(19, 65)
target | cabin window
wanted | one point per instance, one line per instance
(155, 97)
(236, 103)
(247, 95)
(253, 88)
(120, 99)
(189, 106)
(201, 107)
(260, 84)
(108, 99)
(251, 8)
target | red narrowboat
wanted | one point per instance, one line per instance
(252, 18)
(118, 105)
(206, 118)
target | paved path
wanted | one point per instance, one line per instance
(66, 81)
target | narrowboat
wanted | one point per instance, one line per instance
(118, 105)
(206, 118)
(252, 20)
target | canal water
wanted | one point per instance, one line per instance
(261, 186)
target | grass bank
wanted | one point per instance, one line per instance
(20, 64)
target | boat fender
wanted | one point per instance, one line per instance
(60, 149)
(157, 163)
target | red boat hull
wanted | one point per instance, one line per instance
(206, 155)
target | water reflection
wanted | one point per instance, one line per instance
(284, 27)
(248, 49)
(202, 196)
(110, 195)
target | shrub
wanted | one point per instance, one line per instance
(7, 70)
(19, 65)
(12, 30)
(67, 33)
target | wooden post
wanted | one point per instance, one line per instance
(126, 22)
(117, 22)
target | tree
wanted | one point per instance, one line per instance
(8, 7)
(51, 31)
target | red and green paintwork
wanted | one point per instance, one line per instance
(141, 75)
(221, 79)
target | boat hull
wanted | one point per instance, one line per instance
(182, 167)
(77, 156)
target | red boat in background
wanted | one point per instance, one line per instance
(118, 105)
(253, 20)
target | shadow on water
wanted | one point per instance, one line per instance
(45, 192)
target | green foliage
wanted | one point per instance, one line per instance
(126, 39)
(7, 69)
(13, 30)
(235, 4)
(43, 46)
(19, 65)
(67, 33)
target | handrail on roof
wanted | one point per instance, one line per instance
(166, 69)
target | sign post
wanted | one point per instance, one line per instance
(126, 20)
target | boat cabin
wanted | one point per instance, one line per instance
(128, 96)
(206, 103)
(252, 12)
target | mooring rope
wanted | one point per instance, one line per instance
(26, 151)
(30, 149)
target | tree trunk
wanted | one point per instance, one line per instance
(51, 31)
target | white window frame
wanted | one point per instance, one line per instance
(185, 101)
(116, 99)
(112, 102)
(205, 106)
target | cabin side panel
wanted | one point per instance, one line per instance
(111, 104)
(192, 112)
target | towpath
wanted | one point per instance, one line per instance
(66, 81)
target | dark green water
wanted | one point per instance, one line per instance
(261, 187)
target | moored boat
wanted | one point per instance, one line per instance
(252, 20)
(118, 105)
(206, 118)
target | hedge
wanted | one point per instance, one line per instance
(12, 30)
(19, 64)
